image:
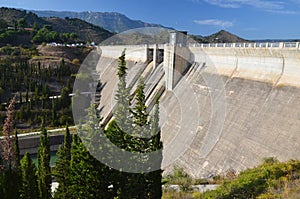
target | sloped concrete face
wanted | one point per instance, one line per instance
(232, 108)
(261, 121)
(107, 69)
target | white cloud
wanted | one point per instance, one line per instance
(214, 22)
(276, 6)
(263, 4)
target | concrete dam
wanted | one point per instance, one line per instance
(222, 106)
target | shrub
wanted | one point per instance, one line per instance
(75, 61)
(269, 180)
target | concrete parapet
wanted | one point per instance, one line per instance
(134, 52)
(31, 144)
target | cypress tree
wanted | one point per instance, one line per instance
(17, 149)
(29, 188)
(62, 167)
(65, 100)
(20, 97)
(53, 112)
(18, 174)
(27, 96)
(44, 173)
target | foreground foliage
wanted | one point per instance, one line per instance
(272, 179)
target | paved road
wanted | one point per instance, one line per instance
(56, 96)
(39, 132)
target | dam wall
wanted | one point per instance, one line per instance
(240, 103)
(272, 65)
(276, 64)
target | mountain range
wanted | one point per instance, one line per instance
(116, 22)
(96, 26)
(112, 21)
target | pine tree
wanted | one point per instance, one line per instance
(62, 167)
(119, 179)
(142, 137)
(88, 180)
(29, 188)
(140, 114)
(119, 129)
(122, 97)
(156, 146)
(89, 177)
(44, 173)
(139, 143)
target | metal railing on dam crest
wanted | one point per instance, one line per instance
(248, 45)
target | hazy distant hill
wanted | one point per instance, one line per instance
(112, 21)
(84, 30)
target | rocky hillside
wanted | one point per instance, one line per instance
(220, 37)
(84, 31)
(111, 21)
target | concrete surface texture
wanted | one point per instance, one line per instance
(261, 121)
(232, 108)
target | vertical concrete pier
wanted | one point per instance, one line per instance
(176, 58)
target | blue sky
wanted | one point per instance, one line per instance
(250, 19)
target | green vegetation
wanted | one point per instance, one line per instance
(138, 134)
(29, 186)
(46, 34)
(180, 178)
(81, 175)
(20, 27)
(44, 173)
(31, 83)
(272, 179)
